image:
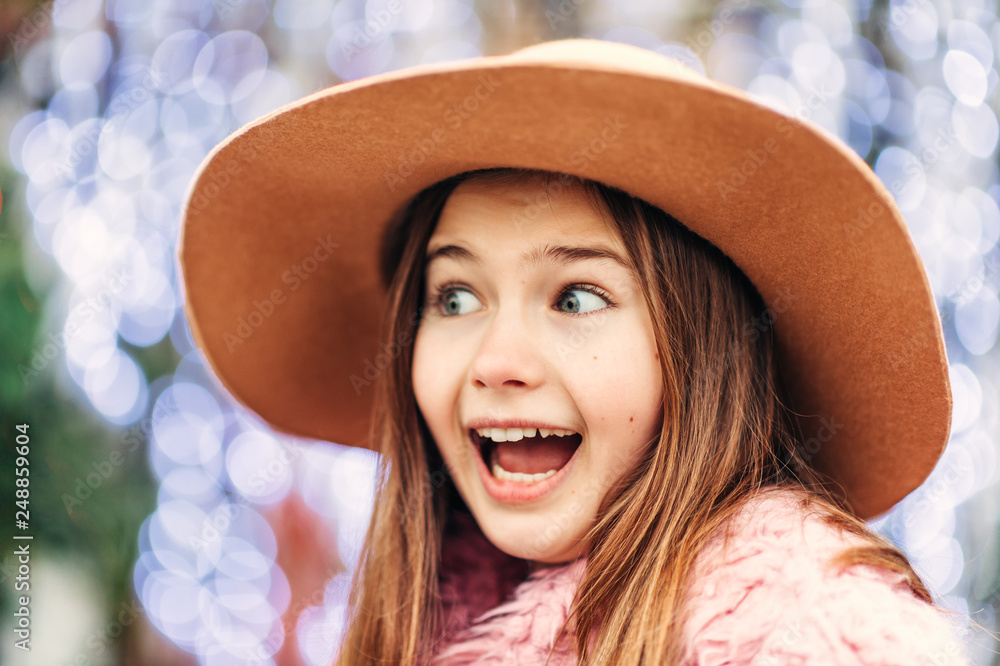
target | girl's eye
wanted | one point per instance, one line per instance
(450, 300)
(577, 299)
(581, 299)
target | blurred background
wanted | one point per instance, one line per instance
(171, 526)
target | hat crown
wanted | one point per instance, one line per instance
(603, 55)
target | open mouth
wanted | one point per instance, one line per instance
(525, 455)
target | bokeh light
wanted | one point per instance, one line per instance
(125, 99)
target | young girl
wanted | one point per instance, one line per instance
(610, 434)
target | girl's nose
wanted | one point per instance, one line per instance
(510, 353)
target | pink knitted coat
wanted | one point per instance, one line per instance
(766, 598)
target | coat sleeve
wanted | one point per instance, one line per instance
(769, 597)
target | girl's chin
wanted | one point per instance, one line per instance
(522, 539)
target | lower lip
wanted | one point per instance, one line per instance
(512, 492)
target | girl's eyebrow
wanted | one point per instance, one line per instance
(560, 254)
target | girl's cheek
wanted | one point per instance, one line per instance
(585, 334)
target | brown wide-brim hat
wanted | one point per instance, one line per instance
(283, 225)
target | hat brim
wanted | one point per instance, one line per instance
(284, 220)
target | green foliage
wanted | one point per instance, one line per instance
(89, 490)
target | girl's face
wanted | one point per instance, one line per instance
(539, 324)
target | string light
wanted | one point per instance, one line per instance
(108, 160)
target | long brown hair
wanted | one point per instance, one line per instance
(728, 432)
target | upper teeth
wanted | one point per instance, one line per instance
(515, 434)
